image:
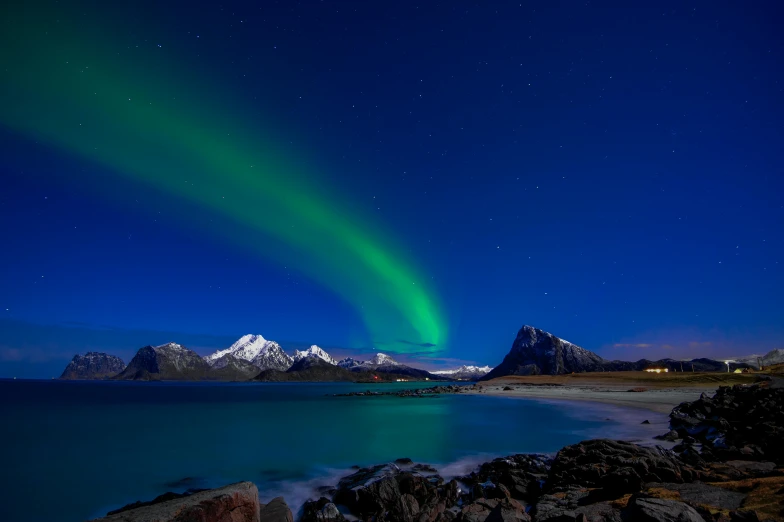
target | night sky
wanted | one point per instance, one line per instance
(420, 179)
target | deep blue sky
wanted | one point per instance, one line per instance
(613, 175)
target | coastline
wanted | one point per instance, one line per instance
(616, 471)
(659, 393)
(658, 401)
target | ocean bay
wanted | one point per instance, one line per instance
(114, 442)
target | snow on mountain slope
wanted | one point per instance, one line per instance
(314, 351)
(256, 350)
(465, 369)
(349, 363)
(381, 359)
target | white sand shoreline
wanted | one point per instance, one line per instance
(657, 400)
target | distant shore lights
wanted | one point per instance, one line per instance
(657, 369)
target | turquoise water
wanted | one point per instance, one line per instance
(74, 450)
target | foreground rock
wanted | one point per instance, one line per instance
(593, 481)
(737, 423)
(276, 511)
(233, 503)
(93, 366)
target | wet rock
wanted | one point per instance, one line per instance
(235, 502)
(157, 500)
(412, 484)
(737, 423)
(406, 508)
(276, 511)
(378, 495)
(450, 492)
(404, 461)
(321, 510)
(521, 476)
(616, 467)
(365, 476)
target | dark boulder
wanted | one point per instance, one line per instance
(660, 510)
(321, 510)
(276, 511)
(737, 423)
(520, 475)
(615, 467)
(233, 502)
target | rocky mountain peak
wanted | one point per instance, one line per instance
(381, 359)
(93, 365)
(535, 352)
(256, 350)
(348, 362)
(314, 351)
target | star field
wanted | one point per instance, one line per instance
(353, 174)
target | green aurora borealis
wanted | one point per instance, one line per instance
(143, 119)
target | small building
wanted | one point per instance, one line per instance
(657, 369)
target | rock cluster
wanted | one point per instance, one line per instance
(592, 481)
(402, 492)
(737, 423)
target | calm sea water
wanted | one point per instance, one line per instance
(74, 450)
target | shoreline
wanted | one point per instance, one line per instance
(556, 485)
(658, 401)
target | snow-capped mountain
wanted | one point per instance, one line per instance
(314, 351)
(381, 359)
(465, 372)
(256, 350)
(349, 363)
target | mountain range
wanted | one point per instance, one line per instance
(536, 352)
(252, 357)
(465, 373)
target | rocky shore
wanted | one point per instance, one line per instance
(727, 465)
(418, 392)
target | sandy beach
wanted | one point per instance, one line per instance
(654, 392)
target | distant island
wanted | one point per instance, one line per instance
(254, 358)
